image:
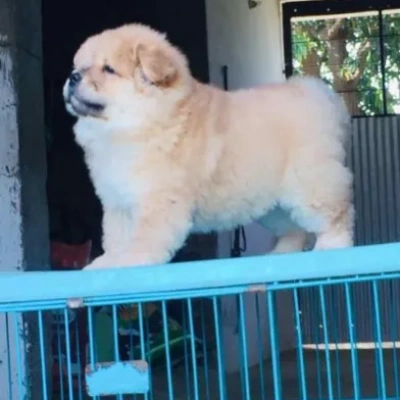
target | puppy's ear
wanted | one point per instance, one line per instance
(157, 67)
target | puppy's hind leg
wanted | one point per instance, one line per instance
(324, 207)
(339, 233)
(292, 242)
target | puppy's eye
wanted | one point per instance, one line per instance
(108, 69)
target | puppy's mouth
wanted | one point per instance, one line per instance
(82, 108)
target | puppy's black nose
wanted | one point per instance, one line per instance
(74, 79)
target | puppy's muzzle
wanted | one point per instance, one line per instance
(74, 79)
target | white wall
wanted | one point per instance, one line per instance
(249, 42)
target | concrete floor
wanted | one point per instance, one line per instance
(315, 371)
(341, 373)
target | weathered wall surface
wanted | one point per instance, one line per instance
(23, 209)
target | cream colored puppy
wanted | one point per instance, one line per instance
(169, 155)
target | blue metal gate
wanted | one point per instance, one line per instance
(374, 158)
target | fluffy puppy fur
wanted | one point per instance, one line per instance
(169, 155)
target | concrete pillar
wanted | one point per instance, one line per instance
(23, 206)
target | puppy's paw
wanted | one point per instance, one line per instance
(334, 240)
(101, 262)
(121, 261)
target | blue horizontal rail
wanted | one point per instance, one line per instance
(52, 286)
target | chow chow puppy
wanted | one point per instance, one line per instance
(169, 155)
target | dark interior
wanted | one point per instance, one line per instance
(75, 212)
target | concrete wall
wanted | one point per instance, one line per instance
(249, 42)
(23, 208)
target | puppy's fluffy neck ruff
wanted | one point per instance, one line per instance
(165, 130)
(92, 135)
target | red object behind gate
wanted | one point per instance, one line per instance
(70, 257)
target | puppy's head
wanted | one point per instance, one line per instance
(127, 76)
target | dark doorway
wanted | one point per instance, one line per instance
(75, 212)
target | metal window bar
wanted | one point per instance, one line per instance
(332, 9)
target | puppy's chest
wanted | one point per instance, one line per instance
(113, 177)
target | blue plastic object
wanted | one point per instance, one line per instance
(121, 377)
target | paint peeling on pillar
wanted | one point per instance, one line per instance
(11, 246)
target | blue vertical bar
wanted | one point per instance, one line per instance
(379, 340)
(205, 352)
(148, 348)
(354, 358)
(240, 349)
(376, 343)
(131, 344)
(393, 330)
(193, 350)
(60, 357)
(274, 350)
(17, 339)
(317, 342)
(299, 336)
(142, 344)
(334, 318)
(115, 335)
(186, 351)
(68, 354)
(132, 350)
(91, 337)
(221, 371)
(18, 354)
(243, 336)
(260, 348)
(92, 353)
(10, 396)
(326, 342)
(78, 354)
(42, 355)
(167, 350)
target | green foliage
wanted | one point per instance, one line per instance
(346, 53)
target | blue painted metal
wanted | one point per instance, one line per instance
(354, 358)
(167, 351)
(334, 275)
(42, 354)
(18, 356)
(374, 158)
(117, 378)
(61, 286)
(300, 353)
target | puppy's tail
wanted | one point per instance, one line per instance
(328, 106)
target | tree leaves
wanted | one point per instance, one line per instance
(346, 52)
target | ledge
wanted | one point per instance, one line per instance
(56, 286)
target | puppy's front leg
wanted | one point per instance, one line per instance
(159, 228)
(117, 229)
